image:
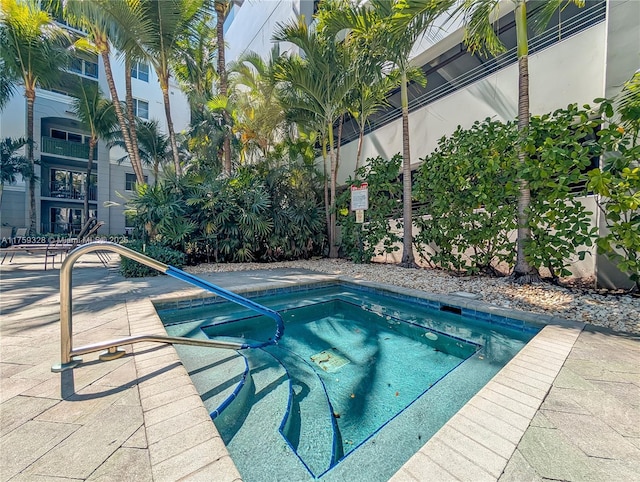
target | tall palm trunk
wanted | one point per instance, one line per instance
(333, 247)
(220, 7)
(164, 85)
(30, 94)
(326, 189)
(131, 117)
(408, 259)
(87, 182)
(132, 150)
(523, 271)
(360, 142)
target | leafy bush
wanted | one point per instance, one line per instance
(467, 192)
(559, 148)
(362, 241)
(132, 269)
(264, 212)
(618, 183)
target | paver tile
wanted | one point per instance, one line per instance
(20, 409)
(459, 466)
(126, 464)
(184, 440)
(553, 456)
(479, 454)
(89, 446)
(508, 416)
(592, 436)
(187, 462)
(493, 423)
(485, 437)
(519, 470)
(24, 445)
(420, 467)
(221, 470)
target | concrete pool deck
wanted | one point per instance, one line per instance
(566, 408)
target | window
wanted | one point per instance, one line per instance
(130, 181)
(88, 68)
(69, 136)
(140, 71)
(67, 220)
(141, 108)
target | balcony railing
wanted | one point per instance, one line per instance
(63, 190)
(64, 148)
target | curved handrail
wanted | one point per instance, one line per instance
(67, 352)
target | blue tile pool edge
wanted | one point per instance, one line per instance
(478, 310)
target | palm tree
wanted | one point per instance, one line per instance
(479, 17)
(7, 85)
(391, 35)
(260, 116)
(318, 84)
(122, 24)
(154, 147)
(12, 164)
(194, 64)
(32, 49)
(222, 9)
(97, 115)
(170, 20)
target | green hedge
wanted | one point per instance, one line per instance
(132, 269)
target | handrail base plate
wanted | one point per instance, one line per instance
(62, 367)
(111, 355)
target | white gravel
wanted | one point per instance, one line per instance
(615, 310)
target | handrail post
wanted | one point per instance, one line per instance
(67, 360)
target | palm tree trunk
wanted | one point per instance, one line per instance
(360, 142)
(333, 248)
(131, 118)
(523, 272)
(164, 85)
(87, 181)
(30, 94)
(220, 7)
(134, 155)
(408, 260)
(326, 188)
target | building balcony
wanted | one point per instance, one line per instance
(59, 147)
(60, 190)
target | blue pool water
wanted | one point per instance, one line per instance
(359, 382)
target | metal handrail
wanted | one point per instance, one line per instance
(69, 354)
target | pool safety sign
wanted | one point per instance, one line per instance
(360, 200)
(360, 197)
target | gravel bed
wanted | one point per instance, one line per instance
(614, 310)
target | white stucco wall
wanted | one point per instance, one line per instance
(568, 72)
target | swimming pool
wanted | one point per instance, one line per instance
(360, 381)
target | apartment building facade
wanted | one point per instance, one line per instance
(61, 148)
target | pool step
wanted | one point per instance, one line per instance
(217, 374)
(250, 427)
(310, 427)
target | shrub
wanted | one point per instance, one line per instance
(618, 183)
(560, 147)
(362, 241)
(264, 212)
(467, 194)
(132, 269)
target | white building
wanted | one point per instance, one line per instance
(62, 149)
(585, 53)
